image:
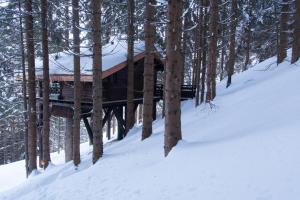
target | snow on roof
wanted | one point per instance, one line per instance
(113, 53)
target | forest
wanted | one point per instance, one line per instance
(170, 52)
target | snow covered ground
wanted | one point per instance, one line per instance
(244, 146)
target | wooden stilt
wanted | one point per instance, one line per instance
(89, 129)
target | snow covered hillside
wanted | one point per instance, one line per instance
(244, 146)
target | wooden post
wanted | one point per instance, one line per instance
(108, 126)
(89, 129)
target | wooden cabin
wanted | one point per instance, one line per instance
(114, 76)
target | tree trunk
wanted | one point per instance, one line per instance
(24, 90)
(222, 54)
(212, 49)
(283, 35)
(32, 136)
(173, 76)
(198, 53)
(231, 59)
(148, 69)
(69, 140)
(97, 80)
(77, 84)
(130, 76)
(40, 125)
(296, 34)
(67, 19)
(46, 81)
(204, 51)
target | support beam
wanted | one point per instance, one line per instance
(118, 112)
(108, 131)
(89, 129)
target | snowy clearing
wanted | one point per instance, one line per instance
(244, 146)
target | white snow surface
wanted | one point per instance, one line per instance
(243, 146)
(113, 53)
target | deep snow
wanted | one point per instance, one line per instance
(243, 146)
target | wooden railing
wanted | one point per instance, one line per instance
(187, 91)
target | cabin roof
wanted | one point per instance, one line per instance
(114, 59)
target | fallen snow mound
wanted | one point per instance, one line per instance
(243, 146)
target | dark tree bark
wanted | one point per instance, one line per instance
(198, 53)
(130, 76)
(212, 49)
(77, 84)
(97, 80)
(204, 49)
(67, 27)
(46, 81)
(173, 76)
(222, 54)
(148, 69)
(69, 140)
(231, 58)
(32, 136)
(296, 34)
(40, 125)
(24, 90)
(283, 35)
(248, 40)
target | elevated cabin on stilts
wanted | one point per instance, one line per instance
(114, 79)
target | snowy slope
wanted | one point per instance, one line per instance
(244, 146)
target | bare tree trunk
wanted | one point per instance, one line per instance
(69, 140)
(296, 34)
(24, 90)
(40, 125)
(231, 59)
(283, 35)
(67, 19)
(204, 50)
(46, 81)
(32, 138)
(222, 54)
(212, 49)
(148, 69)
(173, 76)
(198, 53)
(97, 80)
(77, 84)
(130, 76)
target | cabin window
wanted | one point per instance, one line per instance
(55, 90)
